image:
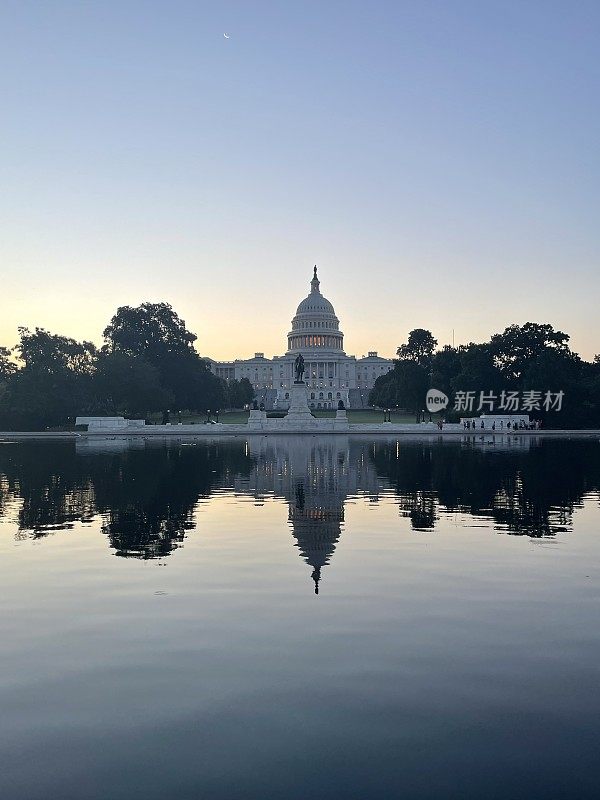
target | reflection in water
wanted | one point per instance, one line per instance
(526, 487)
(146, 491)
(459, 666)
(315, 476)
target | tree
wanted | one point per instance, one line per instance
(404, 386)
(239, 393)
(47, 352)
(128, 385)
(54, 383)
(445, 365)
(518, 346)
(419, 348)
(7, 366)
(151, 330)
(7, 369)
(155, 332)
(478, 371)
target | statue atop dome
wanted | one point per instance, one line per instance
(315, 283)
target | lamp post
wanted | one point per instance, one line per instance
(207, 415)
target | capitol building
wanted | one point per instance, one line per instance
(330, 375)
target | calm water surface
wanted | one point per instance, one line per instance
(299, 618)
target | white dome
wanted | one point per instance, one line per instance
(315, 328)
(315, 303)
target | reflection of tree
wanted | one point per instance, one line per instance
(527, 492)
(420, 508)
(54, 493)
(146, 496)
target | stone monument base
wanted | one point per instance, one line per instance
(299, 418)
(298, 412)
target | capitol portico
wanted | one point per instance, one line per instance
(330, 375)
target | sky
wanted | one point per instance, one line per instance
(439, 161)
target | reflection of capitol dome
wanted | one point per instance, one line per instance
(316, 529)
(315, 326)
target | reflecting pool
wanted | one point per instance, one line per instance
(295, 617)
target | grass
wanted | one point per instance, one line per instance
(368, 415)
(355, 416)
(231, 417)
(371, 415)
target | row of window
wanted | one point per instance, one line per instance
(315, 341)
(321, 395)
(302, 325)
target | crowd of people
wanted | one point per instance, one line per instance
(532, 425)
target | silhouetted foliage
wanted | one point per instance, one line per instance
(519, 346)
(419, 348)
(53, 385)
(238, 393)
(7, 365)
(154, 332)
(528, 357)
(147, 364)
(129, 385)
(404, 386)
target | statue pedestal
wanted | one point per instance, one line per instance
(299, 412)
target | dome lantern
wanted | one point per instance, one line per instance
(315, 283)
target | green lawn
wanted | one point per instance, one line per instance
(368, 415)
(234, 417)
(241, 417)
(231, 417)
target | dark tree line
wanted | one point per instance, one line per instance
(147, 364)
(529, 357)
